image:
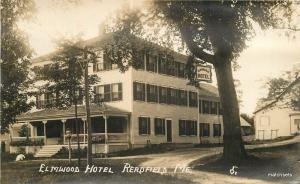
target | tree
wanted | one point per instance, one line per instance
(285, 88)
(214, 32)
(66, 78)
(15, 56)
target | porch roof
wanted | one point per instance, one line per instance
(54, 113)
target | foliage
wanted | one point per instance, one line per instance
(64, 77)
(285, 88)
(214, 32)
(23, 132)
(8, 157)
(15, 55)
(27, 143)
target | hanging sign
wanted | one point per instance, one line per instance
(204, 73)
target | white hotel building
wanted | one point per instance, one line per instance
(149, 105)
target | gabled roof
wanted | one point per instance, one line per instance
(208, 90)
(68, 113)
(244, 122)
(280, 96)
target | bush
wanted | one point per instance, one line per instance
(27, 143)
(64, 153)
(6, 157)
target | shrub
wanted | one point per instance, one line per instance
(27, 143)
(6, 157)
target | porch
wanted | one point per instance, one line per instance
(109, 126)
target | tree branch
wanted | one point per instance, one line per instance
(193, 47)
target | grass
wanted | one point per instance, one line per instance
(278, 139)
(259, 164)
(28, 172)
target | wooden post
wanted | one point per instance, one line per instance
(64, 130)
(105, 133)
(45, 136)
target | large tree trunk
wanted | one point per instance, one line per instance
(234, 149)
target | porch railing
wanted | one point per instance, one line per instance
(36, 138)
(100, 138)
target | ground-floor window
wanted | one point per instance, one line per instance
(159, 125)
(204, 130)
(187, 127)
(297, 123)
(144, 126)
(217, 130)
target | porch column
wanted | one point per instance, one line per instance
(128, 130)
(84, 134)
(64, 130)
(31, 130)
(45, 136)
(105, 133)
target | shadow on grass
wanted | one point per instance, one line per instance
(269, 164)
(28, 172)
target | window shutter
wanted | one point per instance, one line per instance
(148, 126)
(134, 91)
(120, 91)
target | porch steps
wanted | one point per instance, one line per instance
(48, 151)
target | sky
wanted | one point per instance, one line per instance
(268, 54)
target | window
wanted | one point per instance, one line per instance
(144, 126)
(193, 99)
(182, 97)
(214, 108)
(152, 93)
(49, 99)
(107, 65)
(171, 67)
(151, 63)
(217, 130)
(40, 103)
(108, 92)
(99, 65)
(200, 106)
(140, 63)
(297, 123)
(139, 91)
(116, 91)
(204, 129)
(220, 108)
(99, 93)
(162, 65)
(180, 69)
(162, 95)
(187, 127)
(159, 126)
(205, 107)
(172, 96)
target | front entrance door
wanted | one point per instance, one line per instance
(169, 130)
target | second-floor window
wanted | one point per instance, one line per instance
(182, 97)
(152, 93)
(193, 100)
(139, 91)
(172, 96)
(108, 92)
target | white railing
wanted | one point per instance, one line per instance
(29, 138)
(100, 138)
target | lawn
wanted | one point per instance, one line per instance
(28, 172)
(276, 164)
